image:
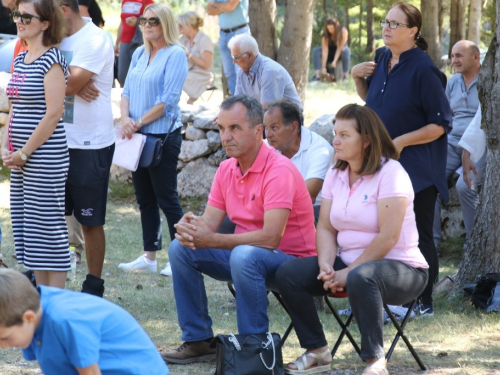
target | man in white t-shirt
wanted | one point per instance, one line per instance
(88, 122)
(308, 151)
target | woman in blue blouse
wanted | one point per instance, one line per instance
(407, 91)
(149, 105)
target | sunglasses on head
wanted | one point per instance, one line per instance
(153, 21)
(25, 17)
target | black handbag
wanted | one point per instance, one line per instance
(151, 153)
(248, 354)
(483, 295)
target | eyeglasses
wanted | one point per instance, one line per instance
(391, 24)
(25, 17)
(153, 21)
(237, 57)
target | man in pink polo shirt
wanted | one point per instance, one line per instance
(265, 195)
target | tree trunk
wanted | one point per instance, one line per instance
(370, 38)
(441, 14)
(462, 16)
(323, 5)
(482, 254)
(262, 15)
(429, 9)
(453, 25)
(346, 20)
(360, 28)
(474, 21)
(295, 44)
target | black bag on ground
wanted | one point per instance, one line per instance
(248, 354)
(483, 293)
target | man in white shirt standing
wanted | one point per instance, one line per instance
(308, 151)
(88, 122)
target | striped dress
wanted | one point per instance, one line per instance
(37, 191)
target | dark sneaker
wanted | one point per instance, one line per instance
(315, 78)
(198, 351)
(422, 310)
(93, 285)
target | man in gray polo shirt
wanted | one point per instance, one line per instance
(461, 91)
(260, 77)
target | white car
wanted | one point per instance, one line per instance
(7, 44)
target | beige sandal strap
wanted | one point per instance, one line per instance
(301, 362)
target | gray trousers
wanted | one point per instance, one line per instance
(469, 199)
(126, 52)
(345, 56)
(368, 286)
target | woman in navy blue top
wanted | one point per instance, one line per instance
(407, 91)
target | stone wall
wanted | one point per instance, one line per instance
(201, 153)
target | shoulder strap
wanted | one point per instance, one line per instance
(169, 129)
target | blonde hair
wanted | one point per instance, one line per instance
(167, 22)
(191, 18)
(17, 295)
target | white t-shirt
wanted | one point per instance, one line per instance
(90, 125)
(313, 159)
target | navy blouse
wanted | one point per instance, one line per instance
(409, 97)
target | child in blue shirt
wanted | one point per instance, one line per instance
(73, 333)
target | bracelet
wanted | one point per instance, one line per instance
(190, 55)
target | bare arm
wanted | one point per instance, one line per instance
(359, 73)
(90, 370)
(199, 232)
(5, 139)
(77, 79)
(326, 241)
(324, 54)
(390, 214)
(84, 11)
(426, 134)
(468, 166)
(118, 38)
(214, 9)
(204, 62)
(343, 41)
(55, 86)
(129, 125)
(314, 186)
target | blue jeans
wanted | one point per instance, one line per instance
(230, 69)
(156, 188)
(251, 269)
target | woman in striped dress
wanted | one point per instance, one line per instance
(35, 148)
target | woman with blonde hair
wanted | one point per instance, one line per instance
(34, 145)
(150, 105)
(199, 52)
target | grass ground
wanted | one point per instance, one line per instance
(457, 340)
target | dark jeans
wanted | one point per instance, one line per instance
(369, 285)
(156, 188)
(423, 205)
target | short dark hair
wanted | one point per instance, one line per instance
(50, 11)
(289, 110)
(371, 128)
(255, 113)
(71, 4)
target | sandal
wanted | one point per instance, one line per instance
(376, 369)
(319, 365)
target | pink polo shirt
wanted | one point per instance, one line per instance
(271, 182)
(354, 212)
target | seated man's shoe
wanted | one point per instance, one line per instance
(93, 285)
(188, 352)
(141, 264)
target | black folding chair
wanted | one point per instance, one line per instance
(399, 328)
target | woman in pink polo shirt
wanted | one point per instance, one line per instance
(367, 243)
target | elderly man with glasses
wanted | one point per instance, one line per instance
(260, 77)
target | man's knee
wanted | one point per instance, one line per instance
(242, 256)
(175, 250)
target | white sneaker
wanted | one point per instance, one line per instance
(140, 264)
(167, 271)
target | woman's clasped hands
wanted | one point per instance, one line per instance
(333, 280)
(129, 127)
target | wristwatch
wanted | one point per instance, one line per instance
(139, 122)
(22, 155)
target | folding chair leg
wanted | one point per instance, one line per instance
(280, 300)
(400, 333)
(345, 329)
